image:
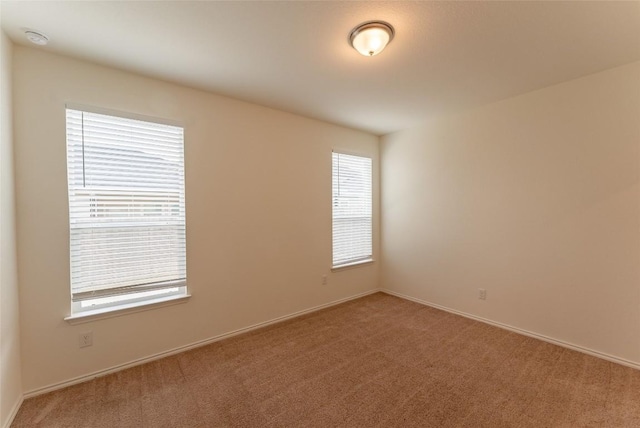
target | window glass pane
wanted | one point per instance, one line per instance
(126, 205)
(352, 202)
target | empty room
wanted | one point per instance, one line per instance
(319, 214)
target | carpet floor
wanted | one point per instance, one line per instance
(378, 361)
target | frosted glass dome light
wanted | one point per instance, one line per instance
(370, 38)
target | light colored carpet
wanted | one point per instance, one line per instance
(378, 361)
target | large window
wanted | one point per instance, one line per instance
(126, 210)
(352, 237)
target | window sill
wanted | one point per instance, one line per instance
(117, 311)
(351, 265)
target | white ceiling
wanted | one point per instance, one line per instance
(294, 56)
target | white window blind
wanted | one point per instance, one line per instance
(126, 206)
(352, 236)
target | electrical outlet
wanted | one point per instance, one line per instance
(85, 339)
(482, 294)
(324, 279)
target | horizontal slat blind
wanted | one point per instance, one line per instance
(126, 205)
(352, 236)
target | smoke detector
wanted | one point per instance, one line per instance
(36, 38)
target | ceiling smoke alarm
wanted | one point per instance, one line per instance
(36, 38)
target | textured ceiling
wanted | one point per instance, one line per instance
(294, 56)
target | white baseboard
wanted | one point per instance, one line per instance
(14, 412)
(542, 337)
(139, 361)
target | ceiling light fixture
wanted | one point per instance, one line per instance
(36, 38)
(371, 37)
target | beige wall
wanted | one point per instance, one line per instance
(10, 383)
(258, 189)
(537, 200)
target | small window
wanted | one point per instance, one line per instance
(126, 210)
(352, 224)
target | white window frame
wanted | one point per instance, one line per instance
(365, 256)
(126, 298)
